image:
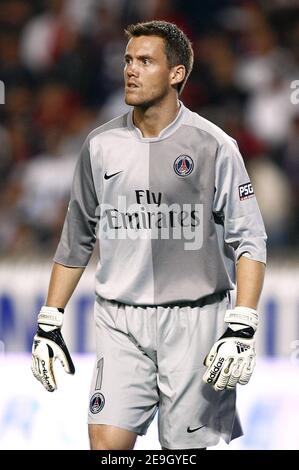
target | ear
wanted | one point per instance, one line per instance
(177, 74)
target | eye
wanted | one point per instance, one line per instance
(145, 61)
(127, 60)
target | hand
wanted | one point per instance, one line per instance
(231, 359)
(48, 344)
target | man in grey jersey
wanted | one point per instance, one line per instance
(168, 196)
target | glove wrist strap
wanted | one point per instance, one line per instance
(242, 315)
(50, 316)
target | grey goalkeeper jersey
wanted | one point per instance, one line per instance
(172, 213)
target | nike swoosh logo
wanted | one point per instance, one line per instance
(195, 429)
(107, 177)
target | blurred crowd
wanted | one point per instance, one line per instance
(61, 62)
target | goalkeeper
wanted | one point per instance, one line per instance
(167, 337)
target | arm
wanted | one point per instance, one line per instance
(72, 256)
(250, 279)
(62, 285)
(231, 359)
(48, 342)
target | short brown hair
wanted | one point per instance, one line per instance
(178, 48)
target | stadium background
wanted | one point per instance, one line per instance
(61, 66)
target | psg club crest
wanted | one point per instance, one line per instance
(97, 403)
(183, 165)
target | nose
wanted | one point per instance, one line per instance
(132, 70)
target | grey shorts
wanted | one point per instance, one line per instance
(150, 359)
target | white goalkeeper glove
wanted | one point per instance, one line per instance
(48, 344)
(232, 358)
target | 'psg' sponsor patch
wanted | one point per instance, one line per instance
(245, 191)
(183, 165)
(97, 403)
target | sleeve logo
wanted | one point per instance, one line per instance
(245, 191)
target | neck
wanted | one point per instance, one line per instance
(153, 119)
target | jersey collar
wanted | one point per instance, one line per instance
(166, 132)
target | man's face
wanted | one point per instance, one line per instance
(146, 72)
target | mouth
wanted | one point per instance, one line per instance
(131, 86)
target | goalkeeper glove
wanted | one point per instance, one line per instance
(48, 344)
(232, 358)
